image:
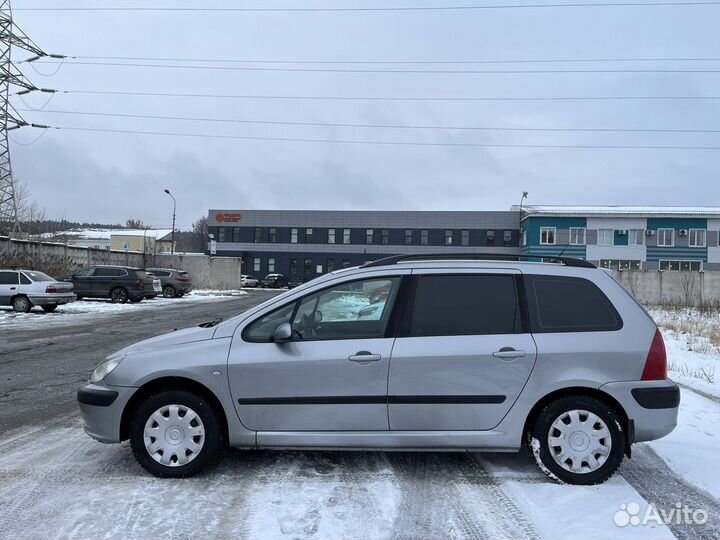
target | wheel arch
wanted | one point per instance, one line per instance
(627, 423)
(171, 383)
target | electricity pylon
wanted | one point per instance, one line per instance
(10, 77)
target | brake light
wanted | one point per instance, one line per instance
(50, 289)
(183, 279)
(140, 283)
(656, 363)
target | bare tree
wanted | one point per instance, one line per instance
(200, 234)
(135, 224)
(687, 288)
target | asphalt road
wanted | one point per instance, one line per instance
(41, 368)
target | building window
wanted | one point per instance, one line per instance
(330, 265)
(308, 236)
(465, 238)
(293, 266)
(293, 236)
(424, 237)
(271, 265)
(507, 237)
(221, 234)
(236, 234)
(635, 237)
(256, 264)
(577, 236)
(448, 238)
(272, 235)
(605, 237)
(490, 235)
(696, 237)
(345, 263)
(308, 267)
(547, 235)
(408, 237)
(346, 236)
(682, 266)
(368, 236)
(258, 234)
(385, 237)
(620, 264)
(666, 237)
(331, 236)
(523, 240)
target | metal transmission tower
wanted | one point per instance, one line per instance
(10, 76)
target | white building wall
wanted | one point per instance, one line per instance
(617, 223)
(632, 253)
(713, 251)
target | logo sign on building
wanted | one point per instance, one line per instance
(227, 217)
(213, 247)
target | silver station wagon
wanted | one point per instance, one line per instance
(410, 352)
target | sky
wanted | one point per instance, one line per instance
(111, 177)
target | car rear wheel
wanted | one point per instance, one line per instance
(136, 300)
(169, 291)
(119, 295)
(21, 304)
(49, 308)
(175, 434)
(577, 440)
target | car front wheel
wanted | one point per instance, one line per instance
(169, 291)
(175, 434)
(577, 440)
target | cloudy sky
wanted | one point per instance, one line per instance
(99, 176)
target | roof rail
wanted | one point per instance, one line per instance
(394, 259)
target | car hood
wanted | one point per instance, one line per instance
(176, 337)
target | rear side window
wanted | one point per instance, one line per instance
(569, 304)
(456, 305)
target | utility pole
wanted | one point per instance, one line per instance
(172, 237)
(10, 76)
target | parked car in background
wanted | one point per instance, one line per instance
(23, 289)
(249, 281)
(157, 285)
(118, 283)
(173, 283)
(274, 281)
(296, 281)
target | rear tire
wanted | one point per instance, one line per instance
(137, 300)
(49, 308)
(166, 443)
(119, 295)
(21, 304)
(577, 440)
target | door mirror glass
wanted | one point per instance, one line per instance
(282, 333)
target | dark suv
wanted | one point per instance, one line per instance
(175, 283)
(274, 281)
(119, 283)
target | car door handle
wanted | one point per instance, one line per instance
(508, 353)
(364, 356)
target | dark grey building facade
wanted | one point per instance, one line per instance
(307, 243)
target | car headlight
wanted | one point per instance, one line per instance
(104, 369)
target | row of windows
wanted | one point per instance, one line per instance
(308, 265)
(443, 305)
(342, 236)
(635, 237)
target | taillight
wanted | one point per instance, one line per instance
(183, 279)
(656, 363)
(140, 283)
(50, 289)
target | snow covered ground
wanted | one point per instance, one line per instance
(84, 310)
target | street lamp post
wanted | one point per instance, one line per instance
(524, 196)
(172, 237)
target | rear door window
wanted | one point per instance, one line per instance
(465, 304)
(569, 304)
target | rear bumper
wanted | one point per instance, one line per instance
(101, 408)
(52, 299)
(652, 406)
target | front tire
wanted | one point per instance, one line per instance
(577, 440)
(175, 434)
(49, 308)
(169, 291)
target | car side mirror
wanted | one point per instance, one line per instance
(282, 333)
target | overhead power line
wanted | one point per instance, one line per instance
(381, 98)
(393, 71)
(382, 126)
(381, 142)
(395, 62)
(473, 7)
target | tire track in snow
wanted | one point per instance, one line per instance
(449, 495)
(657, 483)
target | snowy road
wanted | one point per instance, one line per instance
(55, 482)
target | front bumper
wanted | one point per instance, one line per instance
(652, 406)
(48, 299)
(101, 408)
